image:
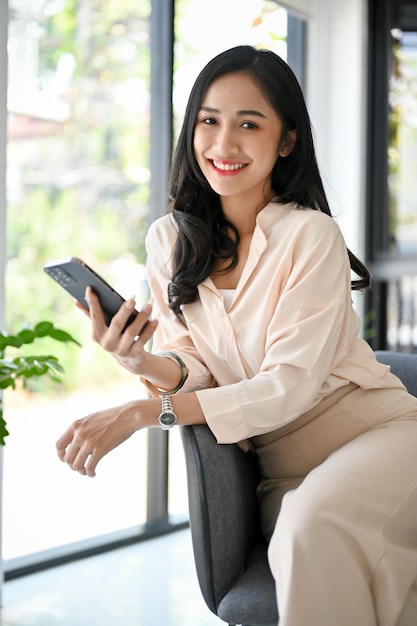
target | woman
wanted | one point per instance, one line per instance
(254, 334)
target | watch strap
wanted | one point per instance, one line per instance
(167, 418)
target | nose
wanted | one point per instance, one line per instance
(226, 141)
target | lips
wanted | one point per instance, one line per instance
(227, 167)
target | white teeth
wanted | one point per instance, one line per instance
(228, 167)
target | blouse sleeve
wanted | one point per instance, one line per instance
(170, 333)
(305, 338)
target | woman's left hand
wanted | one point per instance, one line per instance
(89, 439)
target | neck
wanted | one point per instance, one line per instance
(242, 212)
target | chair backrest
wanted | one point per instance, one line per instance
(223, 510)
(402, 365)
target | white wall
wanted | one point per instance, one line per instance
(336, 99)
(297, 7)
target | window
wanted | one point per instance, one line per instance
(77, 184)
(392, 192)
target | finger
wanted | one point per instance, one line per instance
(114, 339)
(147, 332)
(122, 316)
(72, 453)
(78, 464)
(145, 316)
(86, 461)
(138, 326)
(63, 443)
(96, 313)
(90, 466)
(82, 308)
(122, 338)
(93, 302)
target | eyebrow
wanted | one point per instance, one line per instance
(240, 113)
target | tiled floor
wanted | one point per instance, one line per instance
(152, 583)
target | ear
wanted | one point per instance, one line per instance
(288, 143)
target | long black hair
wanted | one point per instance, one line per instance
(203, 230)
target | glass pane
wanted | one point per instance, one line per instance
(402, 152)
(177, 477)
(402, 314)
(78, 185)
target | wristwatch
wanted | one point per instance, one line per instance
(167, 417)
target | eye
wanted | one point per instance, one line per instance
(209, 121)
(249, 125)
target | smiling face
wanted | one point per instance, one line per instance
(237, 140)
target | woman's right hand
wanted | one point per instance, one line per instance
(126, 346)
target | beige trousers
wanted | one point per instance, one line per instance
(338, 500)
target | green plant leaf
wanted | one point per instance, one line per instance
(3, 429)
(42, 329)
(6, 382)
(26, 335)
(62, 335)
(9, 340)
(47, 329)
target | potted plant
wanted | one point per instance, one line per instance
(23, 367)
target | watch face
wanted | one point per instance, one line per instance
(167, 419)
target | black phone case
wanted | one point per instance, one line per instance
(75, 276)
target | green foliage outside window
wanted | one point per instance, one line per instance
(78, 157)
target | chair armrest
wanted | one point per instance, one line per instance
(223, 509)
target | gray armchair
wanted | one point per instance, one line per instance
(229, 548)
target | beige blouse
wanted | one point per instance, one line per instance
(288, 338)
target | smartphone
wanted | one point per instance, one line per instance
(75, 276)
